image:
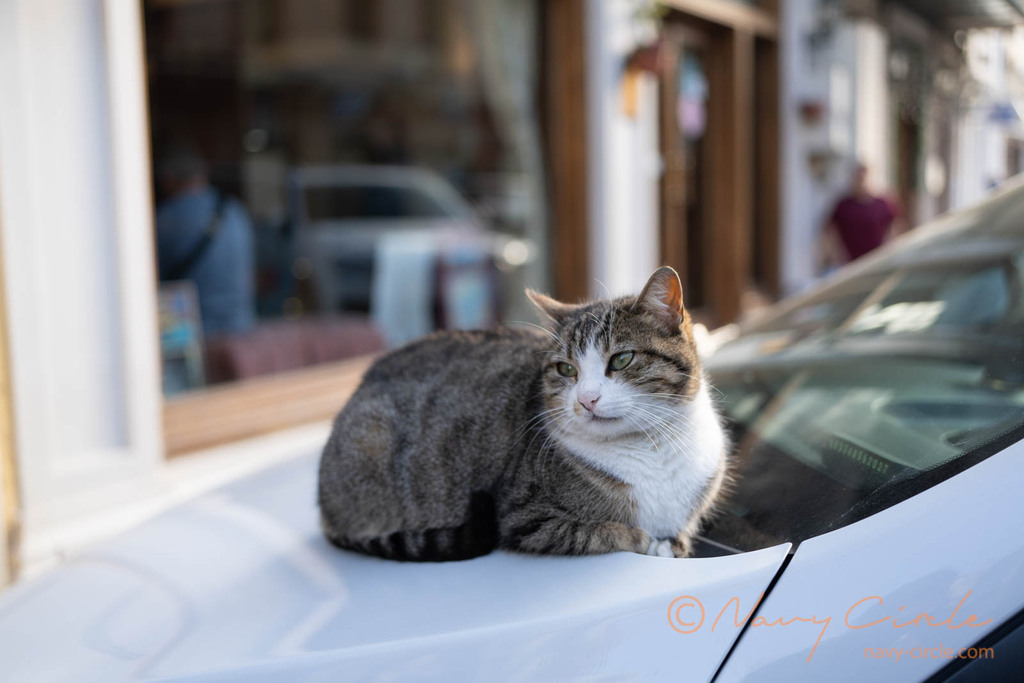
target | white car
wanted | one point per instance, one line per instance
(342, 213)
(873, 532)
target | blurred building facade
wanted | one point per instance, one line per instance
(683, 136)
(770, 106)
(922, 93)
(598, 138)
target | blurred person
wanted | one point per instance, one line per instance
(859, 223)
(206, 237)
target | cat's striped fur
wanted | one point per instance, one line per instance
(462, 442)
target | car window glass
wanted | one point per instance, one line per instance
(370, 202)
(867, 392)
(971, 298)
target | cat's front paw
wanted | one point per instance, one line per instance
(682, 546)
(660, 548)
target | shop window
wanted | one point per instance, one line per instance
(314, 161)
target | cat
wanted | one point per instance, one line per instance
(595, 434)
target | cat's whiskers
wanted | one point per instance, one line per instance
(680, 397)
(672, 409)
(548, 417)
(679, 425)
(674, 406)
(656, 423)
(547, 452)
(670, 412)
(706, 383)
(522, 429)
(544, 455)
(674, 435)
(555, 424)
(683, 397)
(641, 430)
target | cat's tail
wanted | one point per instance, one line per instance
(478, 535)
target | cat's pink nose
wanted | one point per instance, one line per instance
(588, 400)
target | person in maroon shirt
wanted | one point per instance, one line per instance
(859, 223)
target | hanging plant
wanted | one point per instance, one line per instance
(649, 12)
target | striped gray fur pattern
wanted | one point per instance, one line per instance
(534, 439)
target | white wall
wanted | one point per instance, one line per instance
(804, 78)
(78, 258)
(981, 155)
(873, 125)
(981, 162)
(854, 59)
(624, 163)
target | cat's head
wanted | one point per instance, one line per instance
(621, 366)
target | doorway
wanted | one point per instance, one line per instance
(685, 98)
(908, 150)
(719, 141)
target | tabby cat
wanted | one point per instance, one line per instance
(596, 434)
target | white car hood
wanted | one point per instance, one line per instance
(239, 585)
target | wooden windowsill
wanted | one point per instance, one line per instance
(256, 406)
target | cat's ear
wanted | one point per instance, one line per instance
(554, 311)
(663, 299)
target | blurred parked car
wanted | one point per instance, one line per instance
(873, 532)
(353, 220)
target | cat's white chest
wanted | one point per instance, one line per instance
(667, 496)
(670, 477)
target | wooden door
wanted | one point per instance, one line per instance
(720, 127)
(684, 101)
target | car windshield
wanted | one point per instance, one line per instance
(372, 202)
(902, 373)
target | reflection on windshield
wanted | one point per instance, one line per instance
(872, 390)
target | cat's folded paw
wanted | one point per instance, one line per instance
(660, 548)
(682, 547)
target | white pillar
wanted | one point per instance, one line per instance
(873, 121)
(78, 257)
(623, 156)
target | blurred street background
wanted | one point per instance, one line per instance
(212, 212)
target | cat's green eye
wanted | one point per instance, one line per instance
(566, 370)
(621, 360)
